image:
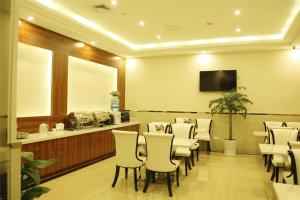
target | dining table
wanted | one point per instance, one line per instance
(286, 191)
(177, 142)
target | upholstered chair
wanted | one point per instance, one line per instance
(295, 125)
(294, 144)
(202, 131)
(183, 120)
(158, 127)
(184, 131)
(293, 176)
(159, 158)
(126, 154)
(281, 137)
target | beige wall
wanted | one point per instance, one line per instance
(171, 83)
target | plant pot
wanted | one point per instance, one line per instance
(230, 147)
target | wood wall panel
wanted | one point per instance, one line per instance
(63, 47)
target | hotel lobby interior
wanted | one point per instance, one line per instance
(150, 99)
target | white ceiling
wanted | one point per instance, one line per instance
(182, 24)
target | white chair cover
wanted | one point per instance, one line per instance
(126, 149)
(182, 130)
(159, 149)
(158, 127)
(183, 120)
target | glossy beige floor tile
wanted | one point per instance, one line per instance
(214, 177)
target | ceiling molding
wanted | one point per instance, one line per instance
(55, 21)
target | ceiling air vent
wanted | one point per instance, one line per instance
(103, 7)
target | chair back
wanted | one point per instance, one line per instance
(272, 124)
(295, 164)
(183, 120)
(182, 130)
(203, 126)
(158, 127)
(294, 144)
(126, 148)
(159, 152)
(283, 136)
(295, 125)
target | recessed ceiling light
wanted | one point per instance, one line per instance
(30, 18)
(79, 44)
(114, 2)
(117, 58)
(158, 37)
(141, 23)
(238, 30)
(93, 43)
(237, 12)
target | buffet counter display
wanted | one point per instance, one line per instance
(73, 149)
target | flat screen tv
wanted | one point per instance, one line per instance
(222, 80)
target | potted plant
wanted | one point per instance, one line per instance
(30, 176)
(230, 103)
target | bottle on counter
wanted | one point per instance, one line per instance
(115, 101)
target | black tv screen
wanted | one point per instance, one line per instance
(223, 80)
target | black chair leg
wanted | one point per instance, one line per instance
(192, 157)
(273, 175)
(153, 177)
(116, 176)
(169, 184)
(177, 176)
(197, 154)
(269, 163)
(148, 177)
(189, 165)
(135, 180)
(277, 173)
(126, 173)
(186, 166)
(208, 147)
(266, 159)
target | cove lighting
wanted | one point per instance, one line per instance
(161, 45)
(79, 44)
(30, 18)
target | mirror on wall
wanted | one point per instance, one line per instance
(89, 85)
(34, 74)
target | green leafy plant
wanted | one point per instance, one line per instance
(230, 103)
(30, 176)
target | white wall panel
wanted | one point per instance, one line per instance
(89, 85)
(34, 71)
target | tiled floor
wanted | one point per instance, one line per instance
(215, 177)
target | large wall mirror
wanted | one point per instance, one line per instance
(89, 85)
(34, 74)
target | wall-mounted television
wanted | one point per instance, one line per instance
(222, 80)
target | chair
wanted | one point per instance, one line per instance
(268, 125)
(183, 120)
(294, 144)
(162, 127)
(295, 125)
(202, 131)
(159, 158)
(295, 167)
(281, 137)
(184, 131)
(126, 154)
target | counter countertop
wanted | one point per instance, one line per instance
(39, 137)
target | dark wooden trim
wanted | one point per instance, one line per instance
(62, 47)
(195, 112)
